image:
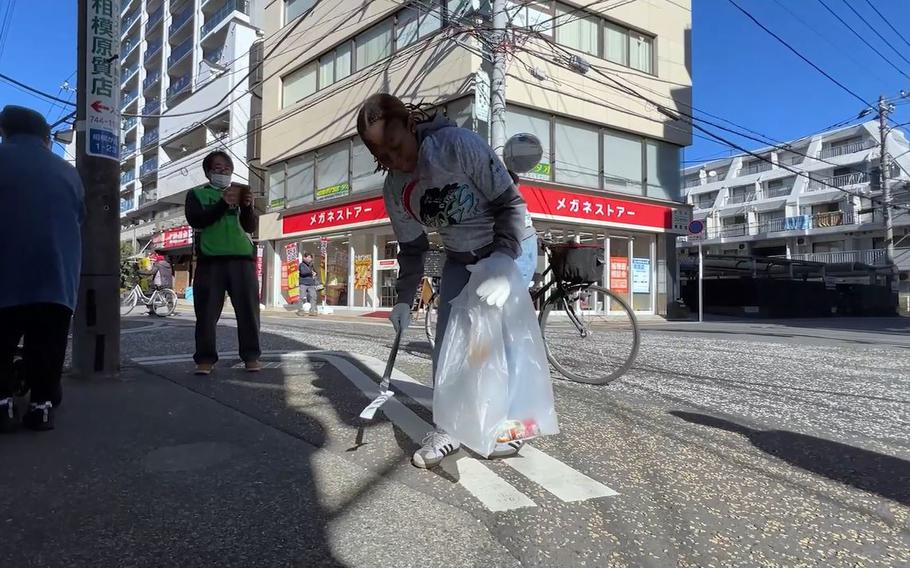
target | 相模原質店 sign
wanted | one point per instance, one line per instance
(102, 79)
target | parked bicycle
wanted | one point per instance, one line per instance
(591, 334)
(162, 302)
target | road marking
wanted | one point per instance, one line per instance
(495, 493)
(563, 481)
(553, 475)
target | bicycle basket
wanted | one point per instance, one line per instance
(577, 264)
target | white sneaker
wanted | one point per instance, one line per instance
(436, 445)
(507, 449)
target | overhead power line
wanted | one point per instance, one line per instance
(875, 31)
(861, 38)
(800, 55)
(35, 91)
(888, 22)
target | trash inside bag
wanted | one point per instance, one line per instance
(493, 379)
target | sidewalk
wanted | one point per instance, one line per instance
(145, 472)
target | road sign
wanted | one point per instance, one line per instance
(696, 226)
(102, 79)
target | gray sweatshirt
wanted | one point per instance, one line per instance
(461, 190)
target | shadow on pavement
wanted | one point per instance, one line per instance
(869, 471)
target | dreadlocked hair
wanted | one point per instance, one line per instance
(383, 106)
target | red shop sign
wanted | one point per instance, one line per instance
(177, 237)
(356, 213)
(562, 205)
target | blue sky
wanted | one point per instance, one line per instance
(740, 73)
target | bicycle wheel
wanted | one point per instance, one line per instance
(164, 302)
(432, 316)
(594, 346)
(128, 302)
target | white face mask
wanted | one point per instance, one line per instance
(221, 180)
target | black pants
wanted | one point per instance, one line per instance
(236, 277)
(44, 329)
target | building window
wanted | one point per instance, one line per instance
(623, 162)
(332, 171)
(364, 176)
(576, 31)
(343, 61)
(536, 15)
(628, 47)
(418, 21)
(276, 186)
(374, 45)
(293, 9)
(298, 85)
(662, 170)
(300, 179)
(577, 154)
(519, 121)
(326, 70)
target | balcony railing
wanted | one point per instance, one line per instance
(128, 98)
(127, 72)
(832, 219)
(738, 230)
(126, 205)
(844, 149)
(741, 197)
(151, 80)
(179, 20)
(180, 51)
(126, 48)
(127, 177)
(841, 181)
(754, 169)
(152, 106)
(872, 257)
(150, 137)
(776, 192)
(148, 197)
(129, 20)
(222, 14)
(772, 225)
(214, 57)
(127, 149)
(153, 50)
(179, 85)
(154, 18)
(692, 183)
(127, 124)
(148, 167)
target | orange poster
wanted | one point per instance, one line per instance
(619, 274)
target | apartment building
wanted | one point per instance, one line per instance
(816, 198)
(610, 171)
(183, 95)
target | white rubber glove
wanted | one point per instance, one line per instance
(491, 275)
(400, 317)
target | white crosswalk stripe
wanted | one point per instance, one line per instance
(495, 493)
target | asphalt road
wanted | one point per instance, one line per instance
(729, 444)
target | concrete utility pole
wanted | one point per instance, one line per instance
(96, 326)
(498, 79)
(884, 109)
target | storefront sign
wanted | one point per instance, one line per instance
(387, 264)
(260, 254)
(102, 79)
(562, 205)
(358, 212)
(641, 275)
(363, 272)
(290, 274)
(178, 237)
(619, 274)
(277, 203)
(339, 190)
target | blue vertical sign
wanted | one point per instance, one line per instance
(102, 79)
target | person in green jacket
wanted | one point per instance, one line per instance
(222, 214)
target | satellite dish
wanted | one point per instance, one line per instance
(522, 153)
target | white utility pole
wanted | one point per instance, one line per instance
(498, 80)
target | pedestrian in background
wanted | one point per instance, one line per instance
(161, 275)
(222, 214)
(309, 283)
(43, 198)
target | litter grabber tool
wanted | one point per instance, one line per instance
(385, 392)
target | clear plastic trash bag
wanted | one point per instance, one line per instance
(493, 379)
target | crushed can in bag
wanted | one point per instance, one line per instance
(513, 430)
